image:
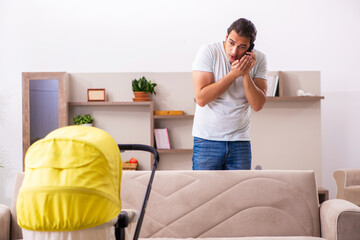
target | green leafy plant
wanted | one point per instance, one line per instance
(143, 85)
(83, 119)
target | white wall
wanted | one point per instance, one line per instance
(164, 35)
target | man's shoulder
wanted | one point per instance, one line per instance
(259, 54)
(207, 56)
(212, 47)
(213, 44)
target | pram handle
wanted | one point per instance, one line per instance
(125, 147)
(140, 147)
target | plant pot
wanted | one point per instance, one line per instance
(87, 124)
(141, 96)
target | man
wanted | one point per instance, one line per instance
(229, 81)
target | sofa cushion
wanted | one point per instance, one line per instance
(208, 204)
(352, 194)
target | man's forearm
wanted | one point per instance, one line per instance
(212, 91)
(254, 94)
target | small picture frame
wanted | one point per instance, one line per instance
(96, 95)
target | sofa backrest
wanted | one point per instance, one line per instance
(348, 185)
(191, 204)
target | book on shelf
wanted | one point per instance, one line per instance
(165, 112)
(273, 82)
(162, 138)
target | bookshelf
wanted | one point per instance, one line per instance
(173, 116)
(294, 98)
(148, 104)
(290, 82)
(172, 122)
(85, 107)
(126, 121)
(125, 103)
(189, 150)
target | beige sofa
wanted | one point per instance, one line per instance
(348, 185)
(13, 231)
(229, 204)
(238, 204)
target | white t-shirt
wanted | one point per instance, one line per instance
(227, 118)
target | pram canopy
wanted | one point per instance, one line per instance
(72, 181)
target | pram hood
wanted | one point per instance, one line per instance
(72, 181)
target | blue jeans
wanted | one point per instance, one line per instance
(221, 155)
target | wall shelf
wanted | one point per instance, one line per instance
(175, 150)
(173, 116)
(295, 98)
(166, 123)
(148, 103)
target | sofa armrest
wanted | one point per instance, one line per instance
(340, 220)
(133, 216)
(5, 219)
(339, 176)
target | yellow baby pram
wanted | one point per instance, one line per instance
(71, 188)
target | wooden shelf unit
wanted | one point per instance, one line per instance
(149, 106)
(280, 109)
(174, 117)
(323, 194)
(284, 95)
(175, 150)
(295, 98)
(153, 117)
(149, 103)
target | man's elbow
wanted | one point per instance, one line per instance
(200, 102)
(257, 107)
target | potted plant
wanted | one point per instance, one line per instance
(142, 88)
(85, 120)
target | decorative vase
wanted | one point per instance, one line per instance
(141, 96)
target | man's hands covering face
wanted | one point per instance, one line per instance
(244, 65)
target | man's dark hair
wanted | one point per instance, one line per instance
(244, 28)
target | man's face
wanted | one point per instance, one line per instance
(236, 46)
